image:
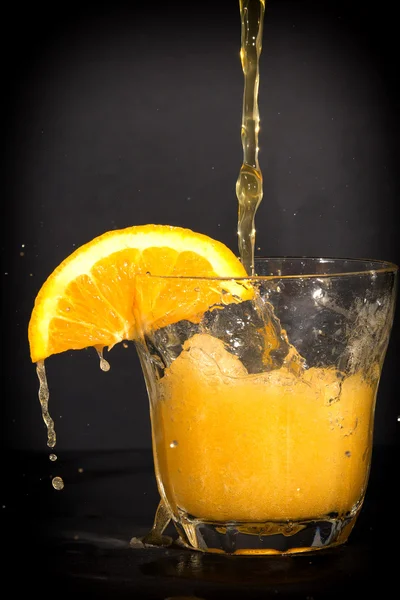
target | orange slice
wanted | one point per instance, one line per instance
(103, 292)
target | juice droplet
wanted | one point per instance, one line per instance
(57, 483)
(104, 364)
(173, 444)
(53, 457)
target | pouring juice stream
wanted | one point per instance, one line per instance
(249, 186)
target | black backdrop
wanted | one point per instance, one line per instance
(115, 115)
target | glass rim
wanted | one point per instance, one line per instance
(380, 266)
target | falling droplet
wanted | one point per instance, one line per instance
(57, 483)
(104, 364)
(53, 457)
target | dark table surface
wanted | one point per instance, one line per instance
(77, 541)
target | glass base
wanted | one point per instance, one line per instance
(288, 537)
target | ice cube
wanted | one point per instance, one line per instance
(212, 357)
(250, 331)
(165, 344)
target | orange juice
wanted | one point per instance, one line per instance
(230, 446)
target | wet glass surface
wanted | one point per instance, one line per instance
(77, 540)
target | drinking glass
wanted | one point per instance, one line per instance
(262, 400)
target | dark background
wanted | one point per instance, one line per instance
(117, 115)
